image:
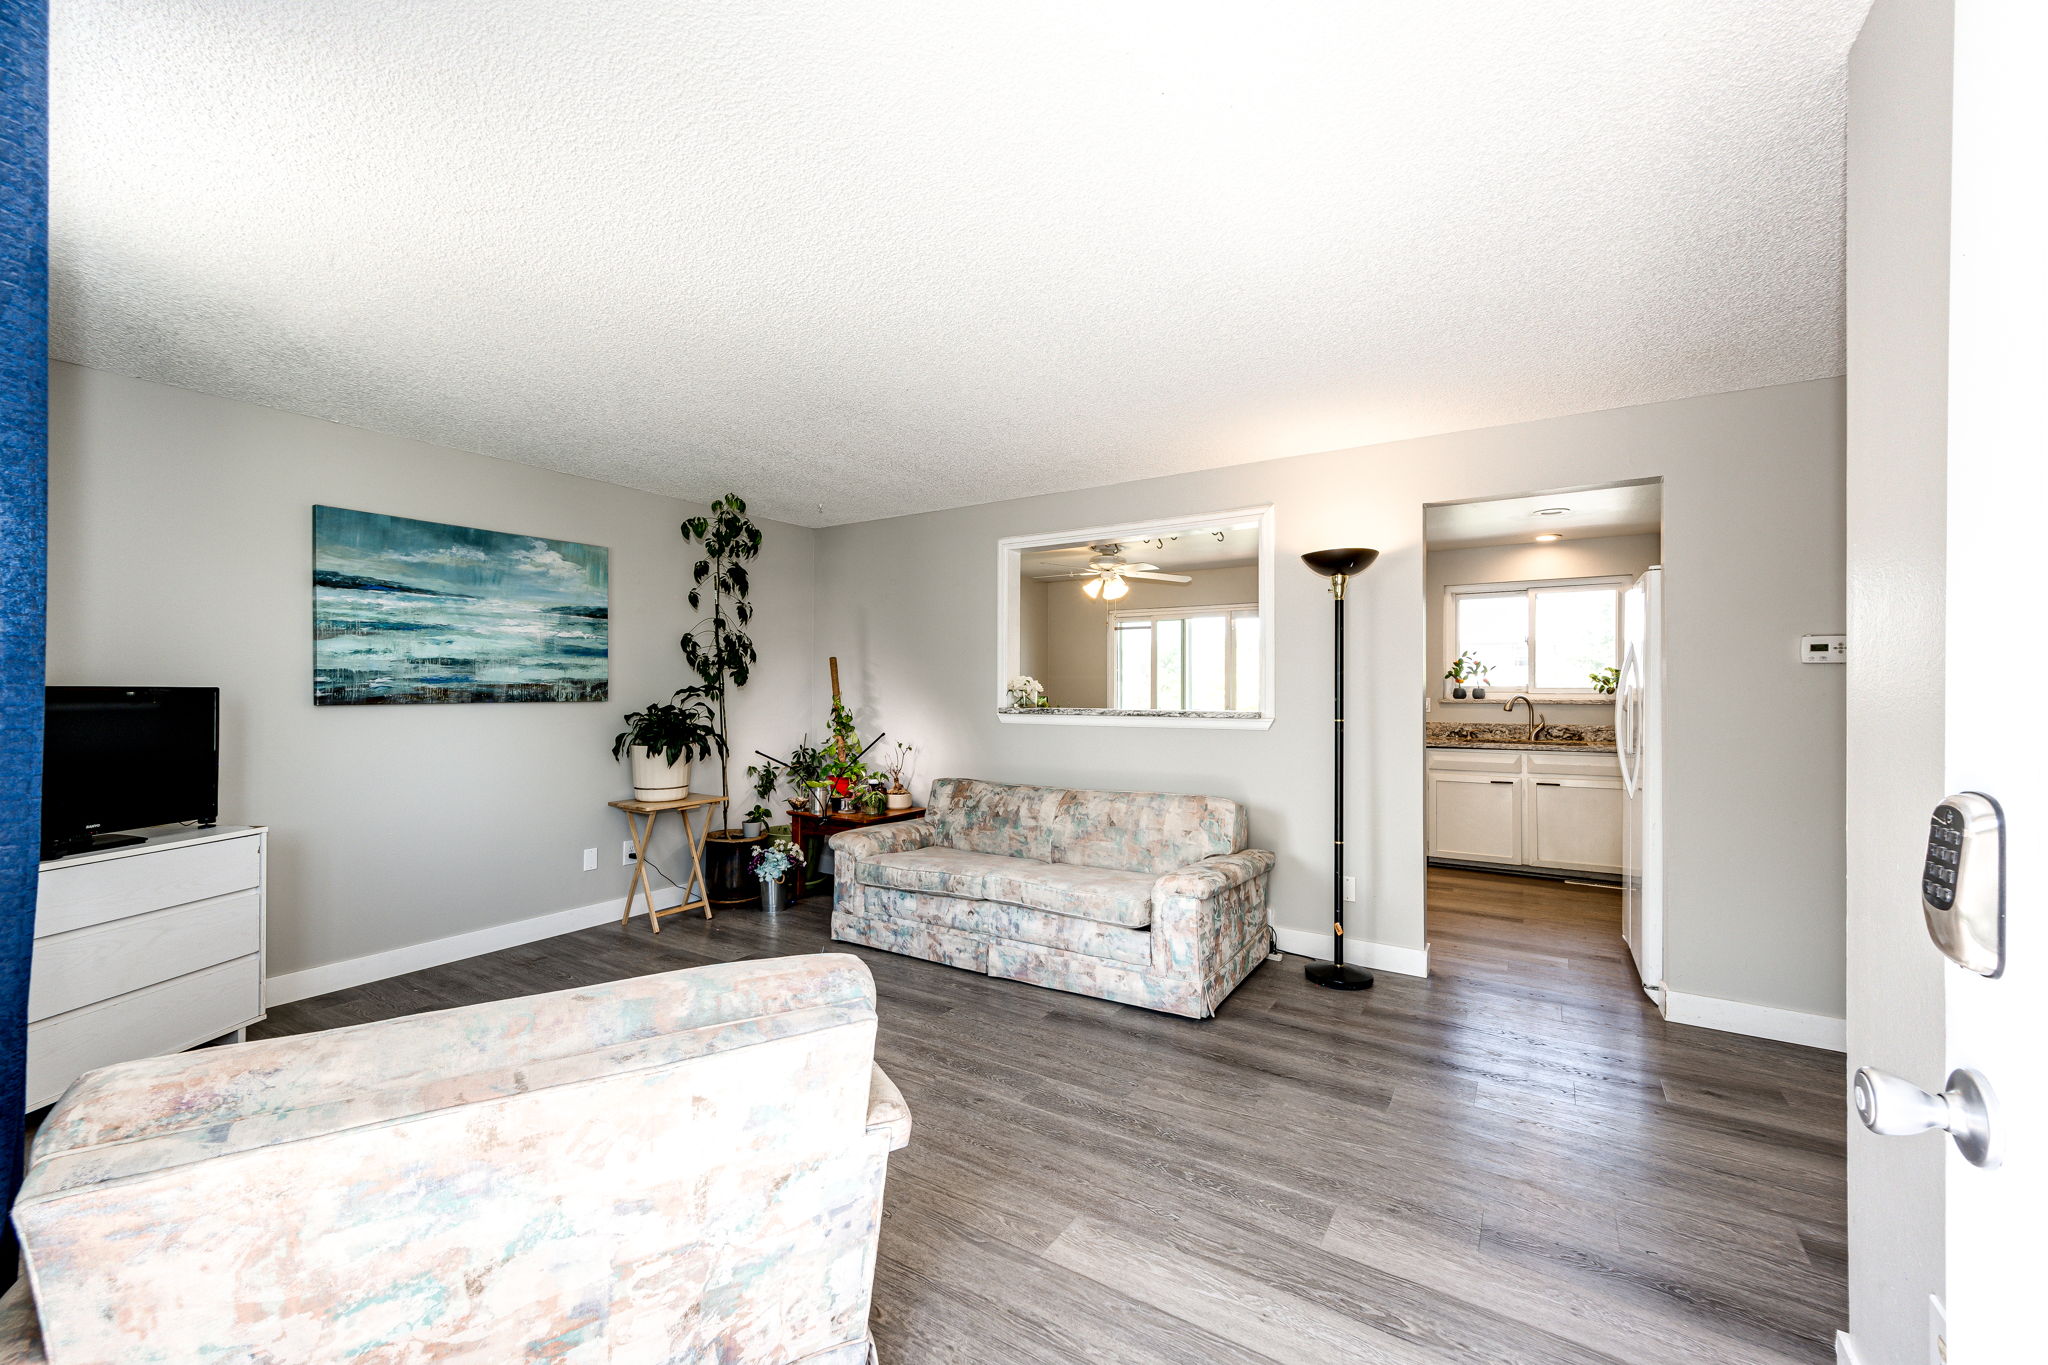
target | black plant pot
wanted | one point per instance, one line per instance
(1457, 694)
(728, 880)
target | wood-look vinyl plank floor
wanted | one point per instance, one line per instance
(1514, 1162)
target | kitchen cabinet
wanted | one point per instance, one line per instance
(1539, 808)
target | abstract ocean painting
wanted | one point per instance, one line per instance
(411, 611)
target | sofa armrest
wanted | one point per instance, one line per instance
(886, 1109)
(1211, 877)
(21, 1337)
(880, 839)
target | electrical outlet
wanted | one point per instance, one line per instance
(628, 855)
(590, 860)
(1351, 888)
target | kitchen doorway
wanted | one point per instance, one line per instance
(1541, 739)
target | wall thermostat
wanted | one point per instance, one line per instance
(1823, 649)
(1962, 882)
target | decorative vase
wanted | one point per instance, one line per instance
(821, 800)
(899, 800)
(655, 778)
(774, 894)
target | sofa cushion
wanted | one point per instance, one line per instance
(1151, 832)
(1101, 894)
(936, 871)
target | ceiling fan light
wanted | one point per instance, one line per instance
(1093, 587)
(1115, 588)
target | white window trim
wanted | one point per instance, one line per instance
(1619, 582)
(1009, 647)
(1155, 614)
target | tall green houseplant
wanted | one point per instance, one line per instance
(718, 647)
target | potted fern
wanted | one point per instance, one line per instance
(658, 744)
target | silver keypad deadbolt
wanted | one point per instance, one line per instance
(1962, 882)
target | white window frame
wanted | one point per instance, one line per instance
(1228, 610)
(1529, 587)
(1010, 552)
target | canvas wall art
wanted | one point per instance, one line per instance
(411, 611)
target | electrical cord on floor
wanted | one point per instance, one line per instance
(1273, 953)
(659, 873)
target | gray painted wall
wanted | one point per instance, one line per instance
(1753, 550)
(1593, 557)
(180, 553)
(1898, 174)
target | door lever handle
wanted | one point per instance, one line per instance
(1892, 1107)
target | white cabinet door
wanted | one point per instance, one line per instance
(1573, 822)
(1475, 817)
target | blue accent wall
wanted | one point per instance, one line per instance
(24, 393)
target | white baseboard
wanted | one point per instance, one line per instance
(1380, 957)
(1757, 1021)
(1845, 1350)
(360, 971)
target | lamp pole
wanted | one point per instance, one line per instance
(1339, 566)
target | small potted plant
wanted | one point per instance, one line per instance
(772, 863)
(871, 795)
(659, 742)
(899, 795)
(1026, 693)
(1485, 680)
(756, 822)
(804, 767)
(1606, 680)
(1463, 668)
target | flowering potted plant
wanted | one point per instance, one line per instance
(1465, 668)
(772, 863)
(1026, 692)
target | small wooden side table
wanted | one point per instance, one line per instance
(640, 818)
(809, 833)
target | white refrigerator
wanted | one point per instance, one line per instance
(1639, 732)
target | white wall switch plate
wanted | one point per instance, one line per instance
(1823, 649)
(1350, 888)
(626, 854)
(590, 860)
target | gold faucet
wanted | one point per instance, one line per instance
(1536, 723)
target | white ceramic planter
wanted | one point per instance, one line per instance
(655, 778)
(899, 800)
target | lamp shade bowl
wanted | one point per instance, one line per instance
(1340, 563)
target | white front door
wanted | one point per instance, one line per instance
(1998, 448)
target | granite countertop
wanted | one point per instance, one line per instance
(1111, 711)
(1573, 746)
(1451, 734)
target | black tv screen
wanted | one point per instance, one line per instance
(122, 758)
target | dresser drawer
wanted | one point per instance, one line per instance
(70, 898)
(159, 1019)
(105, 960)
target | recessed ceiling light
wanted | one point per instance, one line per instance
(1550, 511)
(1551, 535)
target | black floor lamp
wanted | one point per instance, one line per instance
(1338, 566)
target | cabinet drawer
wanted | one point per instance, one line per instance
(1575, 765)
(77, 969)
(1474, 760)
(146, 1023)
(70, 898)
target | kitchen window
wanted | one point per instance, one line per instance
(1202, 659)
(1543, 639)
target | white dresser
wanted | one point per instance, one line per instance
(144, 950)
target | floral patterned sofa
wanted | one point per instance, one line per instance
(1148, 898)
(683, 1167)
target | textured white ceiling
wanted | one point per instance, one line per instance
(856, 258)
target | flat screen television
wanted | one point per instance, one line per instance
(124, 758)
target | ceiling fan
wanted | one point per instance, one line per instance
(1107, 573)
